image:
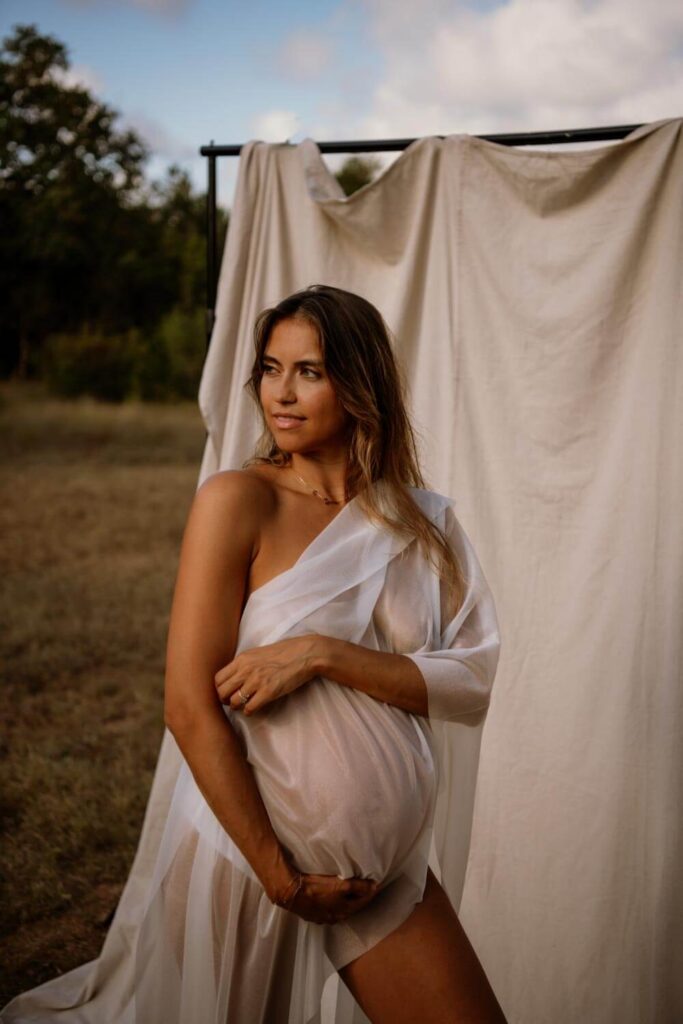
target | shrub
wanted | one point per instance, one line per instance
(180, 335)
(162, 365)
(89, 362)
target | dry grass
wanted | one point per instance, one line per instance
(94, 500)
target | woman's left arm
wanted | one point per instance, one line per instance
(393, 678)
(271, 672)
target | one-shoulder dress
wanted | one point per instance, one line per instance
(353, 786)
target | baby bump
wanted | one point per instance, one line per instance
(348, 781)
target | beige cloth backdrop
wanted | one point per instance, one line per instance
(536, 301)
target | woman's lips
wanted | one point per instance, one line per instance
(287, 422)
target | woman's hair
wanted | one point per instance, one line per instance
(359, 359)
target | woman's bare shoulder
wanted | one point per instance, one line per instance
(227, 514)
(250, 489)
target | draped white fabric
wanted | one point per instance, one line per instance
(350, 784)
(536, 302)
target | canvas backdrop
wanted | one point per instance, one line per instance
(535, 299)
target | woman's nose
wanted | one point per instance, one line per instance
(285, 388)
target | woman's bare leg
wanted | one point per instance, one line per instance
(426, 970)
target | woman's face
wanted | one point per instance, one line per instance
(295, 384)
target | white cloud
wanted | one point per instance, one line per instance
(274, 126)
(304, 55)
(79, 76)
(522, 65)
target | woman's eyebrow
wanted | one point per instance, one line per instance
(299, 362)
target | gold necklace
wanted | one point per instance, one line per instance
(328, 501)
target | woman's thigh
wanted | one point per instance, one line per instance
(425, 970)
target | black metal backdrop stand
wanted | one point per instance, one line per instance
(375, 146)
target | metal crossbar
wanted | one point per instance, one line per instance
(213, 152)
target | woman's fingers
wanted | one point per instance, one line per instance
(360, 888)
(361, 885)
(355, 894)
(328, 899)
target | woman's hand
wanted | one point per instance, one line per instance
(328, 899)
(265, 674)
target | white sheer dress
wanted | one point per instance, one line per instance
(353, 786)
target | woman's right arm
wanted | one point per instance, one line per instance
(215, 555)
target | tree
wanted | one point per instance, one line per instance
(181, 214)
(356, 172)
(49, 131)
(70, 186)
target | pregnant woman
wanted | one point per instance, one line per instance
(330, 622)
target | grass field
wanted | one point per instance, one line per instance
(94, 501)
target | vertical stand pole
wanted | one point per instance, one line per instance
(211, 274)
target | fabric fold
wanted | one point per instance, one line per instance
(460, 668)
(331, 571)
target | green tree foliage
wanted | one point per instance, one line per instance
(67, 180)
(356, 172)
(89, 250)
(181, 216)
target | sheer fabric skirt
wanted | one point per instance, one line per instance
(357, 798)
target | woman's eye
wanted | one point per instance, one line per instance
(313, 373)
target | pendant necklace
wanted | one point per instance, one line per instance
(323, 497)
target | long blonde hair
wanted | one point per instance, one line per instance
(357, 352)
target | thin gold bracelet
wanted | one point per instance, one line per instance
(285, 900)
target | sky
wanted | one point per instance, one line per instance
(185, 72)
